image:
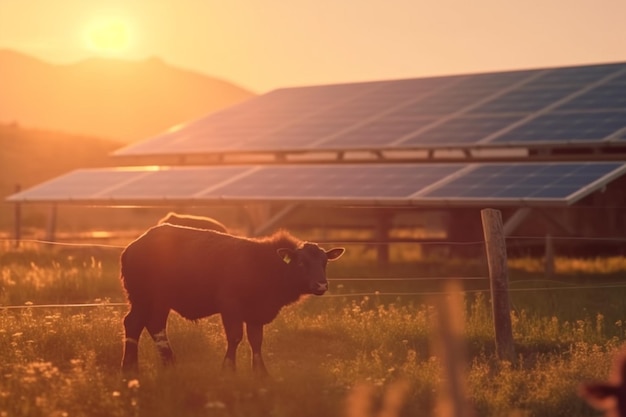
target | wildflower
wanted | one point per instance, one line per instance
(133, 384)
(215, 404)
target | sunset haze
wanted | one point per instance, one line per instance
(265, 45)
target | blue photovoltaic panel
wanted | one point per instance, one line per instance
(175, 182)
(606, 96)
(450, 100)
(462, 130)
(562, 127)
(368, 184)
(334, 182)
(313, 131)
(621, 79)
(545, 105)
(379, 132)
(301, 135)
(583, 75)
(79, 183)
(556, 181)
(496, 80)
(527, 100)
(243, 125)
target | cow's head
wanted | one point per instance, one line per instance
(308, 265)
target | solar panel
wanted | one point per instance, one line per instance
(367, 184)
(174, 182)
(606, 96)
(579, 75)
(463, 129)
(379, 132)
(524, 181)
(557, 105)
(336, 182)
(567, 127)
(82, 182)
(527, 100)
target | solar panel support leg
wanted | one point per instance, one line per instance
(549, 257)
(383, 225)
(274, 220)
(18, 219)
(52, 224)
(515, 220)
(558, 223)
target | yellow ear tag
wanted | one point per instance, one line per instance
(287, 259)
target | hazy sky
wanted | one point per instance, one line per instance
(262, 45)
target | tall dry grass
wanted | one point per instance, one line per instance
(338, 356)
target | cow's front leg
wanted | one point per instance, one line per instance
(233, 326)
(255, 338)
(134, 323)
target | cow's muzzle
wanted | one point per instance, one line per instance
(319, 288)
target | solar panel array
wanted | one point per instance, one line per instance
(585, 104)
(369, 184)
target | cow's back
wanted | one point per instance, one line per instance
(165, 256)
(198, 222)
(195, 272)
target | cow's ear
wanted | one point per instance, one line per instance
(334, 253)
(286, 254)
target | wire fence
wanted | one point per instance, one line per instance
(426, 242)
(333, 295)
(560, 285)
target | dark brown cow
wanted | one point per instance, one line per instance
(198, 273)
(199, 222)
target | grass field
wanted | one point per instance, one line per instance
(347, 353)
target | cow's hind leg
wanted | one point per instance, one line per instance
(134, 323)
(255, 338)
(156, 326)
(233, 326)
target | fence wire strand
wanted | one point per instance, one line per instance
(564, 285)
(346, 295)
(358, 242)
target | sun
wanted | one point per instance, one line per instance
(108, 36)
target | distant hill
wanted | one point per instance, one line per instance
(122, 100)
(29, 157)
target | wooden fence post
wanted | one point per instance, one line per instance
(499, 278)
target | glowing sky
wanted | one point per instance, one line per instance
(262, 45)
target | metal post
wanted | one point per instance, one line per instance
(52, 224)
(383, 224)
(18, 219)
(549, 257)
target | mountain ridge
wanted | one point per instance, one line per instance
(112, 98)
